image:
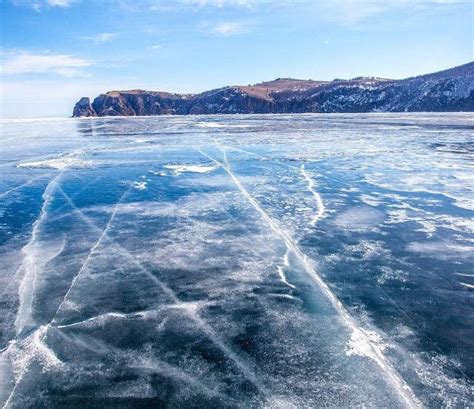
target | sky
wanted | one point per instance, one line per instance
(52, 52)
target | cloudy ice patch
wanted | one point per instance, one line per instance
(178, 169)
(441, 249)
(464, 203)
(369, 249)
(453, 392)
(276, 402)
(359, 218)
(390, 274)
(371, 200)
(430, 222)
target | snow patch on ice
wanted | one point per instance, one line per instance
(390, 274)
(178, 169)
(156, 173)
(61, 163)
(32, 348)
(139, 185)
(362, 343)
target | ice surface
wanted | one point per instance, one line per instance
(237, 261)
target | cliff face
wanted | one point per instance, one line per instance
(450, 90)
(84, 108)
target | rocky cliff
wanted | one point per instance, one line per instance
(449, 90)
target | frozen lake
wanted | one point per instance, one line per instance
(270, 261)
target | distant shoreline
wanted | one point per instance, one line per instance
(450, 90)
(143, 117)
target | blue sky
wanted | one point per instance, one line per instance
(52, 52)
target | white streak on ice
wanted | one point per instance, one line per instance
(101, 318)
(89, 256)
(314, 220)
(376, 353)
(32, 264)
(316, 195)
(281, 269)
(27, 183)
(43, 330)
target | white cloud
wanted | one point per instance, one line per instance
(227, 28)
(100, 37)
(155, 47)
(37, 5)
(70, 72)
(59, 3)
(221, 3)
(25, 62)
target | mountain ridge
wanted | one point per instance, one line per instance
(446, 90)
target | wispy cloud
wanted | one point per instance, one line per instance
(221, 3)
(40, 4)
(24, 62)
(351, 12)
(59, 3)
(155, 47)
(344, 11)
(226, 28)
(100, 37)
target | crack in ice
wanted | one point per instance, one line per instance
(27, 183)
(43, 329)
(91, 253)
(31, 265)
(316, 195)
(373, 350)
(281, 269)
(190, 312)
